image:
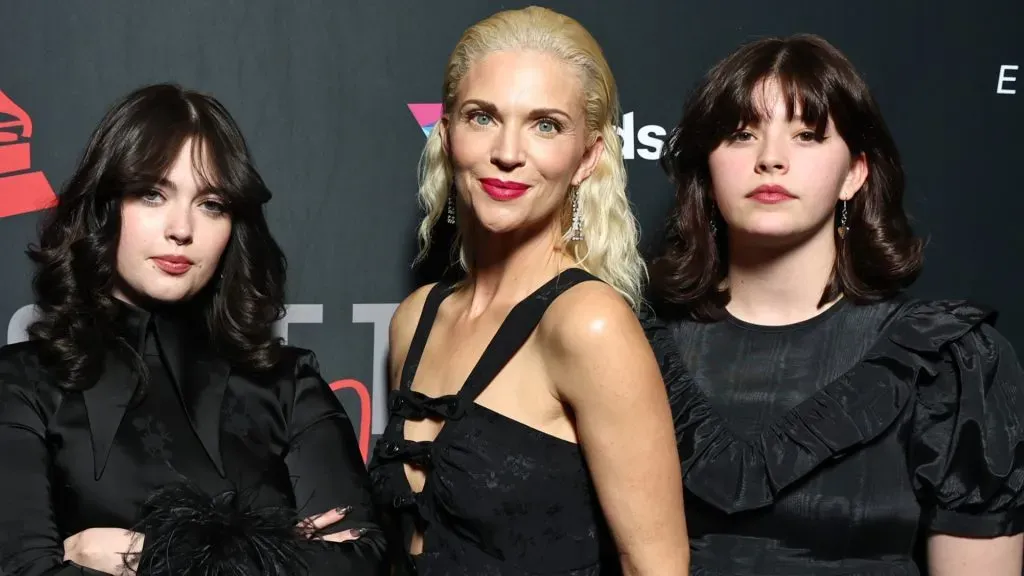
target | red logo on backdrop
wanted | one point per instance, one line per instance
(364, 412)
(21, 188)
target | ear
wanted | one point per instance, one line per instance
(589, 162)
(855, 178)
(443, 125)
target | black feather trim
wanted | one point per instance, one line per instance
(190, 533)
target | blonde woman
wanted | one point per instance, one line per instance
(530, 430)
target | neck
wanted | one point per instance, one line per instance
(779, 285)
(508, 267)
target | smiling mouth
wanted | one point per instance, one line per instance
(503, 190)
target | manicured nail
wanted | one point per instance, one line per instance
(343, 509)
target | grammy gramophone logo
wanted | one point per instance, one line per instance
(22, 189)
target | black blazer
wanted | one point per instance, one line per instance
(76, 460)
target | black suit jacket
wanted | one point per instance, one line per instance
(72, 460)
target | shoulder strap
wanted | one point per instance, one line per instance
(431, 305)
(516, 328)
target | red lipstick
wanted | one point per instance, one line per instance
(503, 190)
(172, 264)
(770, 194)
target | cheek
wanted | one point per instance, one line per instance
(136, 232)
(219, 235)
(556, 161)
(729, 174)
(467, 148)
(824, 175)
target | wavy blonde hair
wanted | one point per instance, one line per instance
(609, 249)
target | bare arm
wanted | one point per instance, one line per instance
(955, 556)
(603, 367)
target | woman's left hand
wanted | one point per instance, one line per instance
(310, 526)
(104, 549)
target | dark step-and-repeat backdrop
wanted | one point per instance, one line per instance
(336, 97)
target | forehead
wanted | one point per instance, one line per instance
(773, 99)
(524, 79)
(771, 102)
(191, 169)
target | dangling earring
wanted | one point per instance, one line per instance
(711, 221)
(577, 219)
(451, 206)
(843, 228)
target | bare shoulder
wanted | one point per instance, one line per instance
(403, 326)
(590, 318)
(595, 349)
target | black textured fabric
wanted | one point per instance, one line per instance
(76, 460)
(500, 498)
(821, 447)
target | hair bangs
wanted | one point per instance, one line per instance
(749, 97)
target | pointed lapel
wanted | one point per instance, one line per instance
(105, 405)
(201, 381)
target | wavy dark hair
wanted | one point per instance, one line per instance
(879, 256)
(129, 152)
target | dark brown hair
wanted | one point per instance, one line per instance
(879, 255)
(131, 149)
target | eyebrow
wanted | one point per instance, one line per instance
(492, 109)
(165, 183)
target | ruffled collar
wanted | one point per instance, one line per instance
(736, 474)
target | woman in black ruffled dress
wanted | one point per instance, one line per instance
(827, 423)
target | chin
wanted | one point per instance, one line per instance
(499, 223)
(778, 235)
(168, 294)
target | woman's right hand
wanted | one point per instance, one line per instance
(317, 522)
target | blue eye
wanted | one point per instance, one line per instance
(480, 118)
(214, 205)
(547, 126)
(151, 197)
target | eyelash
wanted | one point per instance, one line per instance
(473, 115)
(735, 136)
(554, 123)
(153, 198)
(219, 207)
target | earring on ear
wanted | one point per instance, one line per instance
(451, 206)
(577, 218)
(711, 221)
(843, 228)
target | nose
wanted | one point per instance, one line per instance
(508, 149)
(179, 226)
(772, 157)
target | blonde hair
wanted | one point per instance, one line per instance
(609, 249)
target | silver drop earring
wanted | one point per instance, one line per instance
(843, 228)
(711, 221)
(577, 219)
(451, 207)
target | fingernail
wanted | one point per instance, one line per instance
(343, 509)
(357, 532)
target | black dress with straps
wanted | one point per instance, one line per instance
(500, 497)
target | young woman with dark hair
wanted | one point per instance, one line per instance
(822, 415)
(153, 423)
